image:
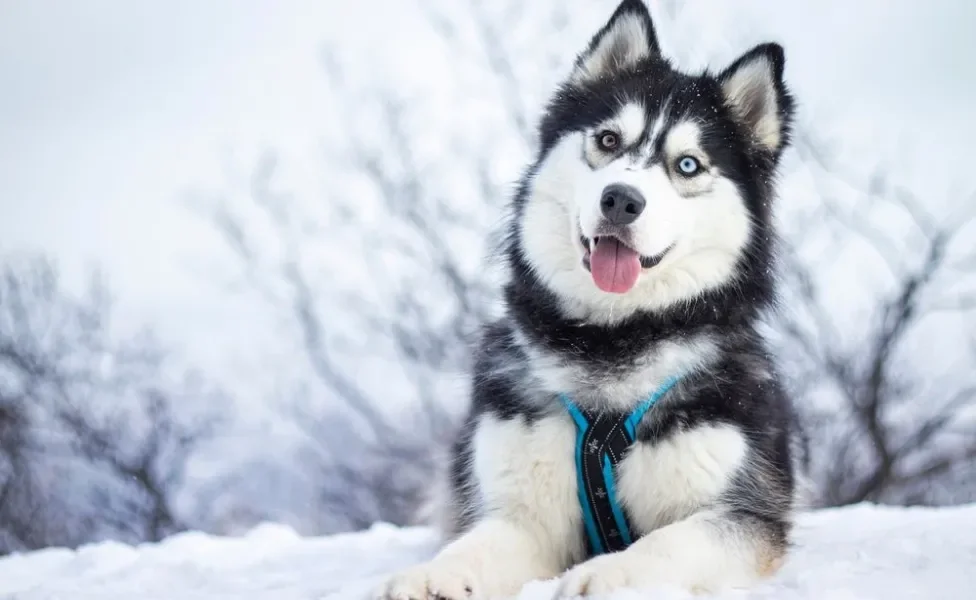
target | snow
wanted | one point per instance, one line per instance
(862, 552)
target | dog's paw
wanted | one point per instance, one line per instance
(599, 576)
(431, 581)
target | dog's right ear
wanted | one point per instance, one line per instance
(626, 39)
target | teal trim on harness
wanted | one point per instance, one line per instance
(582, 425)
(600, 444)
(618, 513)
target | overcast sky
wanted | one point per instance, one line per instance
(111, 109)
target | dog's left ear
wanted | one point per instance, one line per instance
(753, 89)
(626, 39)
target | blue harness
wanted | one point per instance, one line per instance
(602, 440)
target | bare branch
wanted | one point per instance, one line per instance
(868, 453)
(65, 369)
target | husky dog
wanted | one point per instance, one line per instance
(628, 426)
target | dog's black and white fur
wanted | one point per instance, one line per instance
(711, 483)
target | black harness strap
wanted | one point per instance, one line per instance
(604, 443)
(602, 440)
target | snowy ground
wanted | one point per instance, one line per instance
(857, 553)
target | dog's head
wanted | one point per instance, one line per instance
(652, 185)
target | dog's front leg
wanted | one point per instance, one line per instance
(524, 478)
(494, 559)
(703, 553)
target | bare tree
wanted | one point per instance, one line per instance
(372, 462)
(17, 485)
(889, 431)
(91, 443)
(426, 289)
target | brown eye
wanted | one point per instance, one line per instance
(608, 141)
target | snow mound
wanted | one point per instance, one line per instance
(862, 552)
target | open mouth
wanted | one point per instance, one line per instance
(646, 262)
(615, 266)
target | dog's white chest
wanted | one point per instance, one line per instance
(528, 472)
(666, 481)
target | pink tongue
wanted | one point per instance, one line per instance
(614, 267)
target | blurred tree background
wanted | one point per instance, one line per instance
(378, 283)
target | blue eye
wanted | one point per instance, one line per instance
(688, 165)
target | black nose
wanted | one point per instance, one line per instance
(621, 204)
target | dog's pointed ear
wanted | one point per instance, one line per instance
(753, 89)
(626, 39)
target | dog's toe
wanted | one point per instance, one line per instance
(429, 582)
(596, 577)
